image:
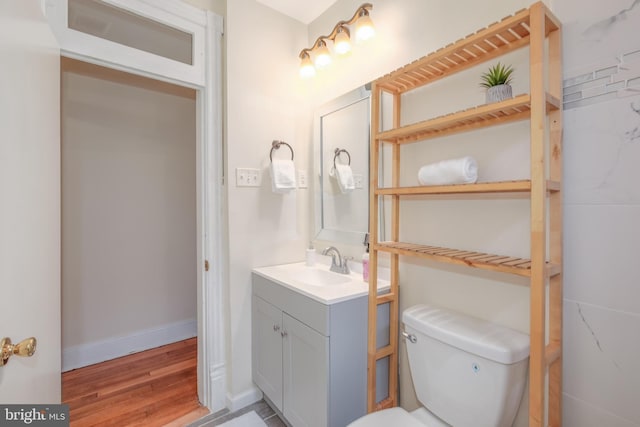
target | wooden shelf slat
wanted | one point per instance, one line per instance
(552, 352)
(479, 188)
(553, 186)
(552, 23)
(384, 352)
(553, 270)
(385, 298)
(482, 187)
(481, 260)
(474, 49)
(553, 102)
(481, 116)
(510, 110)
(387, 403)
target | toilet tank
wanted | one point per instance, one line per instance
(467, 371)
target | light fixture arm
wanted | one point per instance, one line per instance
(363, 9)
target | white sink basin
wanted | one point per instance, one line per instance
(318, 282)
(315, 276)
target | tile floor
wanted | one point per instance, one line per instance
(263, 410)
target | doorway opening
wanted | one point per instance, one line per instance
(129, 213)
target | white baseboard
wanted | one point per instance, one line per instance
(218, 381)
(100, 351)
(243, 399)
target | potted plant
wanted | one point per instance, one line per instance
(497, 81)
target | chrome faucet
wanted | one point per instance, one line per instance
(338, 264)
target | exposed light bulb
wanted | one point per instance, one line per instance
(322, 55)
(342, 43)
(307, 70)
(364, 27)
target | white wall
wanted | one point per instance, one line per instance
(263, 103)
(217, 6)
(128, 201)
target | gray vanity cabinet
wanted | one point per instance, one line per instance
(267, 343)
(305, 374)
(309, 358)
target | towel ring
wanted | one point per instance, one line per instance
(337, 154)
(276, 145)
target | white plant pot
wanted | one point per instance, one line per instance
(498, 93)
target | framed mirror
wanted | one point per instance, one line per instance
(342, 137)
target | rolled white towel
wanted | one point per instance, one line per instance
(454, 171)
(283, 176)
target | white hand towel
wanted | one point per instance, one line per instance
(283, 176)
(454, 171)
(344, 175)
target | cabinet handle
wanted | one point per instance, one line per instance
(283, 334)
(276, 328)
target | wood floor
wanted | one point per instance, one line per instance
(152, 388)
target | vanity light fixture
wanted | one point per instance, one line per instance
(307, 70)
(322, 55)
(364, 27)
(342, 42)
(341, 38)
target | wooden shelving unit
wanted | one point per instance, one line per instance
(511, 110)
(535, 27)
(483, 261)
(522, 186)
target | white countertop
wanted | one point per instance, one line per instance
(288, 275)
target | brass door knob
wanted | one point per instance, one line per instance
(24, 348)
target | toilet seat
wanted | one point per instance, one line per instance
(386, 418)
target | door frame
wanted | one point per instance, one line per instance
(206, 80)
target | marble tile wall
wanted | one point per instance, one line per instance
(611, 81)
(602, 236)
(602, 213)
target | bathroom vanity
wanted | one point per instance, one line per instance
(309, 336)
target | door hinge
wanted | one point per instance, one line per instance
(206, 265)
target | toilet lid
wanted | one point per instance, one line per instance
(387, 418)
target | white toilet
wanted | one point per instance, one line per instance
(466, 372)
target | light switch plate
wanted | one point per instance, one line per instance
(358, 179)
(248, 177)
(302, 179)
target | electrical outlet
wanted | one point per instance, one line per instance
(302, 179)
(358, 179)
(247, 177)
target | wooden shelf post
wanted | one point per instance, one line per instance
(555, 229)
(537, 304)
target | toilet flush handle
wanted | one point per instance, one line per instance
(410, 337)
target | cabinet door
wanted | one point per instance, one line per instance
(267, 349)
(306, 367)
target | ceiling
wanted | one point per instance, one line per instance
(304, 11)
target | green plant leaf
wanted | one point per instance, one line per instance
(497, 75)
